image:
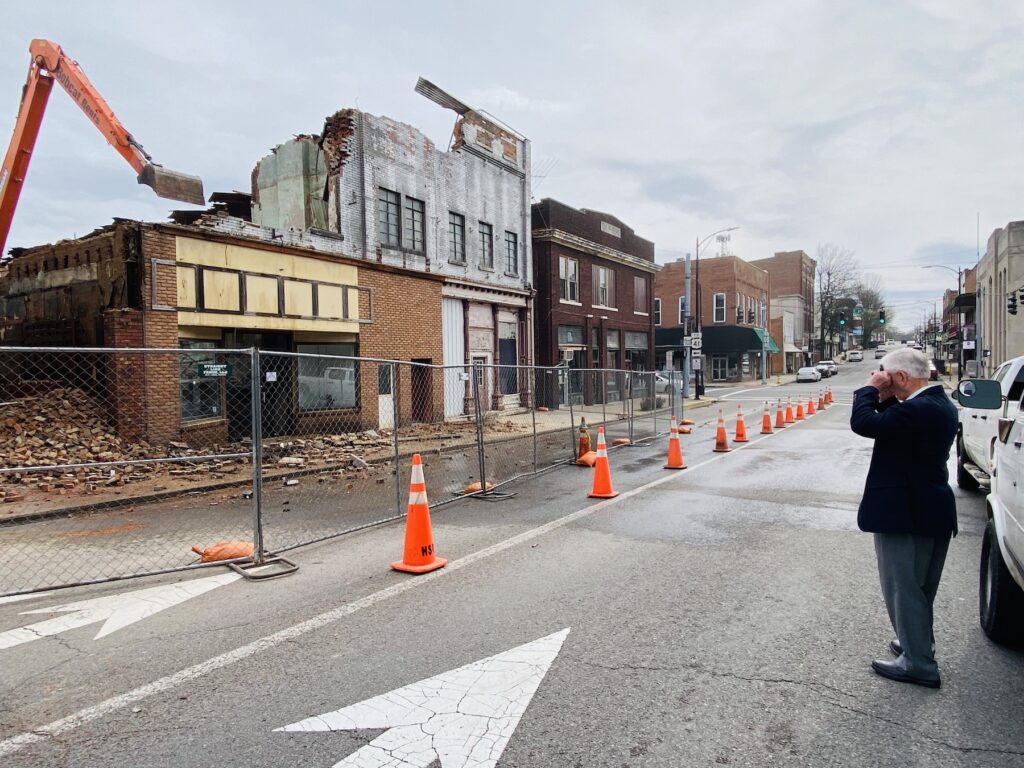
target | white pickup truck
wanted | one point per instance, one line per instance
(976, 439)
(1001, 587)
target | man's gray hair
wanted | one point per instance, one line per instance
(910, 361)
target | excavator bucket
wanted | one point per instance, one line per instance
(173, 185)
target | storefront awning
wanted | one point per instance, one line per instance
(768, 343)
(791, 350)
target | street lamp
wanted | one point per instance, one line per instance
(959, 315)
(696, 254)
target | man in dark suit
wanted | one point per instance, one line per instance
(907, 504)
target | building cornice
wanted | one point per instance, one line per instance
(561, 237)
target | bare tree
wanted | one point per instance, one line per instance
(837, 280)
(871, 295)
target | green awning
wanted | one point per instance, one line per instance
(767, 341)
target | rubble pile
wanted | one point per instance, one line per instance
(64, 427)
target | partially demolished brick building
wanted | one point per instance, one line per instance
(366, 241)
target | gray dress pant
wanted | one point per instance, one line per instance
(909, 567)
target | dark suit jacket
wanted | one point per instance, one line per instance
(907, 487)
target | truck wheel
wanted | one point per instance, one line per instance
(1000, 600)
(964, 479)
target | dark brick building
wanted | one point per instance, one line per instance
(594, 278)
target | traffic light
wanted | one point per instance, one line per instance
(1011, 303)
(842, 319)
(881, 317)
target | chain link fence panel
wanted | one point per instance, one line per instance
(115, 463)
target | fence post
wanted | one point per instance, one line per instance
(477, 376)
(652, 392)
(532, 377)
(394, 430)
(257, 453)
(604, 397)
(572, 415)
(629, 399)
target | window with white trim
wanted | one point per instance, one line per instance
(569, 278)
(604, 287)
(682, 310)
(657, 311)
(719, 308)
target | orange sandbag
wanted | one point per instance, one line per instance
(224, 550)
(474, 487)
(588, 459)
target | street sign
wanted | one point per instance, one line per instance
(697, 335)
(213, 370)
(695, 363)
(461, 718)
(858, 311)
(969, 344)
(696, 340)
(687, 341)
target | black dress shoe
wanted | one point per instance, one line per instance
(894, 671)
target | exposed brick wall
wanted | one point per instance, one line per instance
(125, 372)
(406, 326)
(160, 330)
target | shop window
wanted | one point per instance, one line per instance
(327, 382)
(200, 396)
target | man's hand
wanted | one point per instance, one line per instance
(881, 381)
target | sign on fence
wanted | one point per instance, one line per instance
(214, 370)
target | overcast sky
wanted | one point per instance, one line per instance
(885, 127)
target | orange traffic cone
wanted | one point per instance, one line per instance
(418, 555)
(810, 405)
(766, 421)
(799, 409)
(789, 410)
(828, 395)
(780, 420)
(602, 472)
(741, 427)
(821, 401)
(675, 452)
(721, 439)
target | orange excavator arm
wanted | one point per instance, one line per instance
(49, 63)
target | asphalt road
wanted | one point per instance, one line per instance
(722, 615)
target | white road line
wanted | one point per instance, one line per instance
(115, 703)
(19, 598)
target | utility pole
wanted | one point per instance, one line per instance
(687, 353)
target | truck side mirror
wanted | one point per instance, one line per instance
(979, 393)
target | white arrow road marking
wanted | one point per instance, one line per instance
(464, 717)
(19, 598)
(115, 611)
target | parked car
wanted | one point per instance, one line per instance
(879, 353)
(976, 439)
(808, 374)
(855, 356)
(1001, 576)
(833, 369)
(824, 369)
